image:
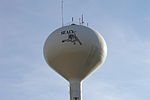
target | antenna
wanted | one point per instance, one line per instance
(82, 20)
(72, 19)
(62, 13)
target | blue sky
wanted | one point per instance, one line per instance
(25, 25)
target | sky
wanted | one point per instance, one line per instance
(25, 25)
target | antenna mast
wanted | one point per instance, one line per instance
(82, 20)
(62, 12)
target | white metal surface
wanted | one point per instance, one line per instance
(74, 52)
(73, 60)
(75, 90)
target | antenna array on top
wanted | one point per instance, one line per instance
(81, 20)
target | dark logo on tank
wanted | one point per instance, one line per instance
(71, 37)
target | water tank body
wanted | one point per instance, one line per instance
(75, 51)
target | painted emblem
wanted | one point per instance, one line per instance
(72, 37)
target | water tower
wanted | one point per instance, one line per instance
(75, 51)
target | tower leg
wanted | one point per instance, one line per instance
(75, 90)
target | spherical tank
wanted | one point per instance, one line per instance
(75, 51)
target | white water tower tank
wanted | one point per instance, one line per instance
(74, 52)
